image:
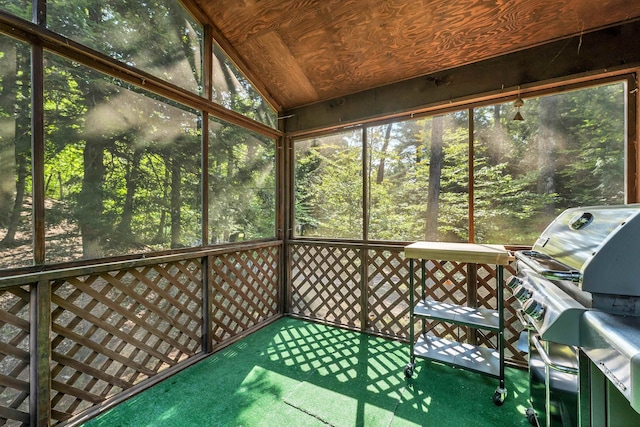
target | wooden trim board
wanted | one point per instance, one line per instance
(459, 252)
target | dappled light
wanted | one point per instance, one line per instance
(241, 184)
(328, 182)
(301, 373)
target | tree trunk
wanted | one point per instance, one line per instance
(8, 96)
(176, 200)
(180, 25)
(159, 238)
(223, 80)
(500, 146)
(435, 171)
(496, 116)
(91, 197)
(383, 154)
(133, 173)
(14, 219)
(230, 161)
(547, 147)
(22, 142)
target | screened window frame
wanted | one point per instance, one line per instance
(40, 39)
(632, 154)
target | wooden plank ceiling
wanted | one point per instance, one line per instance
(306, 51)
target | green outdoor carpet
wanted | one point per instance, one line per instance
(297, 373)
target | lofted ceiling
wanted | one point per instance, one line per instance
(307, 51)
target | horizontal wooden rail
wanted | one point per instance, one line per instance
(139, 261)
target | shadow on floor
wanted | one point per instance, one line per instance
(297, 373)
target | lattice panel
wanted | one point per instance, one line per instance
(317, 272)
(388, 292)
(112, 330)
(326, 282)
(244, 290)
(446, 281)
(14, 357)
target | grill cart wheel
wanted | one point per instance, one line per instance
(531, 417)
(408, 370)
(499, 396)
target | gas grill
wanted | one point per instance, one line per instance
(579, 294)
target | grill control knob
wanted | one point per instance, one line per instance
(521, 293)
(534, 309)
(514, 282)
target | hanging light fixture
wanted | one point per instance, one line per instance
(517, 104)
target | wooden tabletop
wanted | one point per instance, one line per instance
(459, 252)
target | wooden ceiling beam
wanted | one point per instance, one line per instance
(601, 52)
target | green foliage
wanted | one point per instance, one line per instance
(329, 187)
(241, 184)
(125, 29)
(306, 179)
(15, 150)
(21, 8)
(595, 122)
(399, 201)
(121, 166)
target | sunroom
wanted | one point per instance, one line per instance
(179, 176)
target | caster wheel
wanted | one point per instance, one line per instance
(408, 371)
(499, 396)
(531, 417)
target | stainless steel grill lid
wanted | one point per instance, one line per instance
(599, 246)
(580, 286)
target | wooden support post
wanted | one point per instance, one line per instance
(289, 219)
(37, 144)
(364, 255)
(204, 177)
(633, 133)
(285, 221)
(207, 73)
(472, 299)
(472, 182)
(364, 288)
(40, 343)
(207, 297)
(40, 292)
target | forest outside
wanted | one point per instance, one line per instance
(569, 151)
(123, 167)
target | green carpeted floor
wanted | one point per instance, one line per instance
(296, 373)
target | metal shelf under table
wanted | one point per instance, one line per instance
(484, 360)
(481, 318)
(471, 357)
